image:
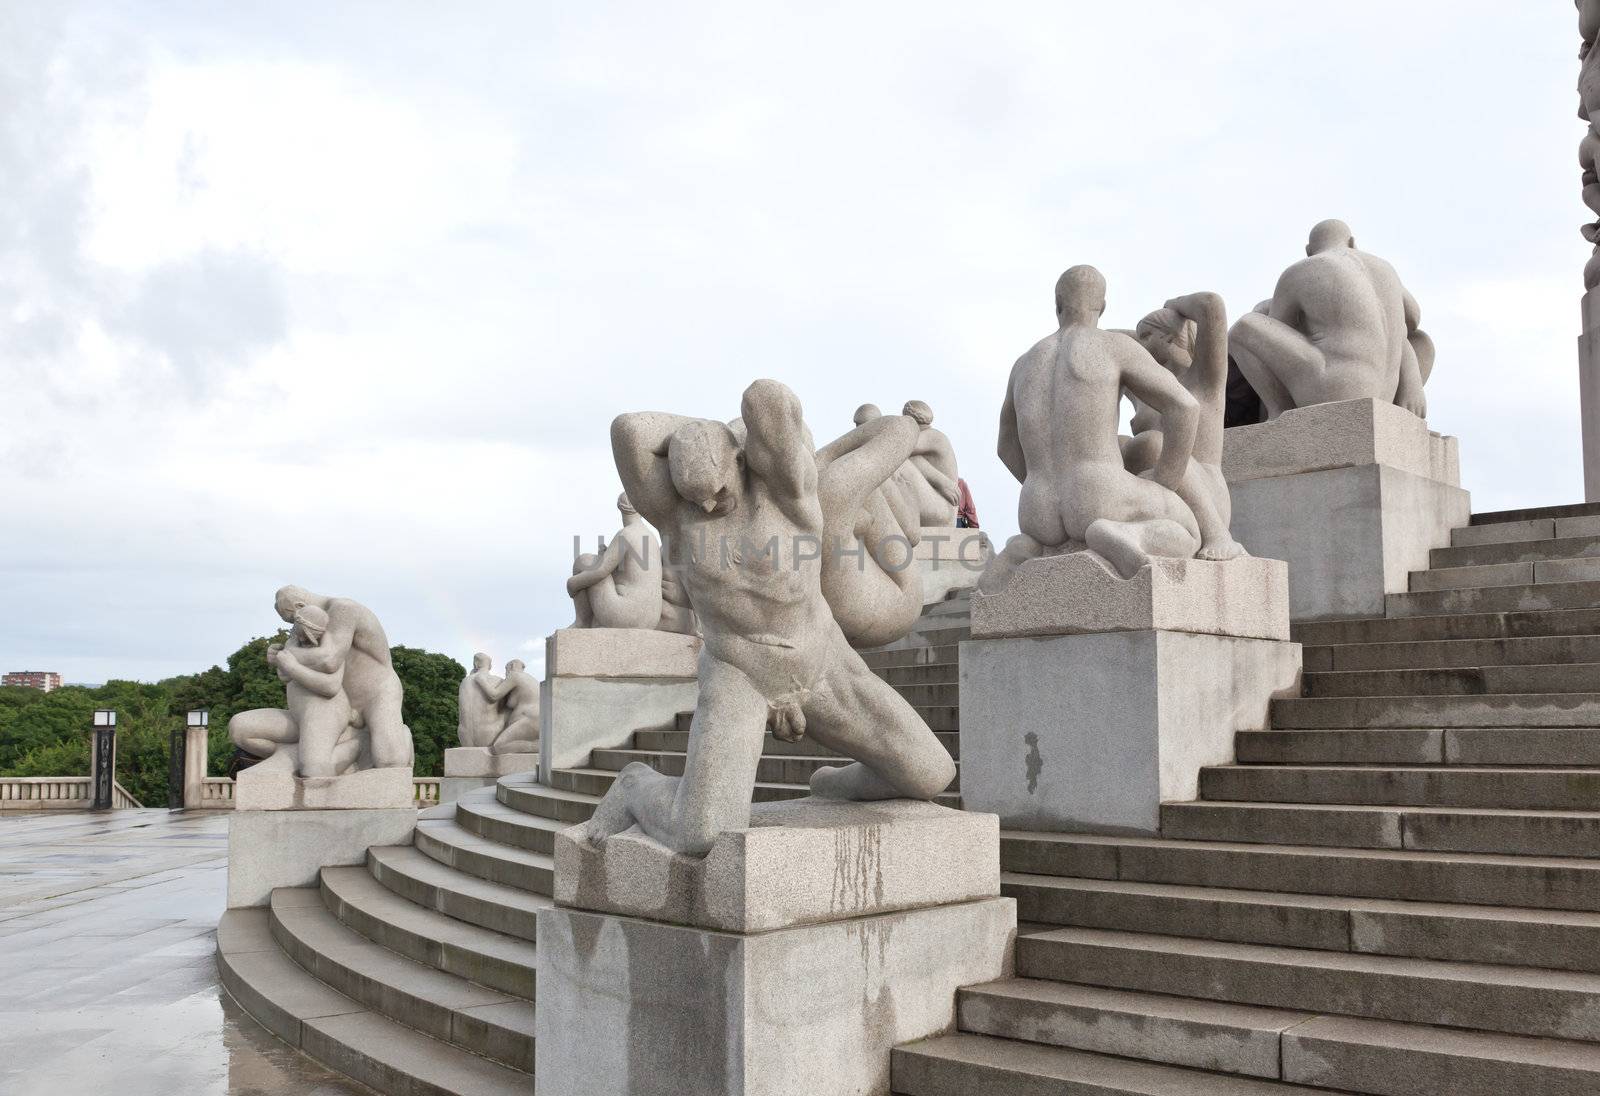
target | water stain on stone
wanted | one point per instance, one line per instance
(1034, 762)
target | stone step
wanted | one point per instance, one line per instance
(1556, 513)
(1518, 551)
(928, 673)
(1431, 829)
(963, 1064)
(492, 959)
(1553, 939)
(459, 848)
(946, 695)
(774, 770)
(940, 717)
(1370, 1056)
(1422, 786)
(595, 782)
(1582, 621)
(1522, 598)
(341, 1033)
(1531, 651)
(1504, 532)
(1455, 681)
(1543, 572)
(678, 742)
(1496, 710)
(1473, 879)
(451, 1009)
(1560, 747)
(1549, 1004)
(480, 813)
(911, 656)
(432, 885)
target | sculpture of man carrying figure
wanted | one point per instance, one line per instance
(774, 657)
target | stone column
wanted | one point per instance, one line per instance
(1353, 495)
(603, 684)
(1589, 393)
(196, 753)
(788, 961)
(1088, 700)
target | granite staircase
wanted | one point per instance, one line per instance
(1394, 891)
(415, 973)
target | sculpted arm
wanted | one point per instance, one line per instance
(1010, 448)
(609, 561)
(1210, 315)
(943, 484)
(323, 684)
(864, 458)
(334, 649)
(1179, 411)
(639, 445)
(778, 447)
(484, 687)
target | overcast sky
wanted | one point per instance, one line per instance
(346, 294)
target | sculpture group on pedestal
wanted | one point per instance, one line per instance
(775, 658)
(499, 714)
(1589, 111)
(1339, 326)
(629, 583)
(343, 696)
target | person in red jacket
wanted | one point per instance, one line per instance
(966, 511)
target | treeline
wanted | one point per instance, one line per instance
(47, 734)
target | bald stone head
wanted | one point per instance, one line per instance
(481, 663)
(866, 413)
(706, 465)
(288, 599)
(1080, 296)
(1330, 236)
(515, 666)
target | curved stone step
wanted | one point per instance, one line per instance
(1551, 1004)
(1438, 654)
(1454, 681)
(530, 797)
(435, 886)
(912, 656)
(1559, 747)
(475, 1018)
(1498, 710)
(1429, 628)
(1434, 829)
(491, 861)
(794, 771)
(481, 812)
(1472, 879)
(1556, 939)
(678, 742)
(966, 1065)
(1346, 1053)
(1419, 785)
(481, 955)
(338, 1031)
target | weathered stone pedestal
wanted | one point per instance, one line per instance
(469, 767)
(787, 962)
(1589, 394)
(1352, 495)
(285, 829)
(602, 684)
(951, 559)
(1087, 699)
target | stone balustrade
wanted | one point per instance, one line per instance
(33, 793)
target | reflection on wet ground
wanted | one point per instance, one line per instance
(107, 926)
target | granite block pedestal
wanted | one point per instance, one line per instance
(1087, 699)
(469, 767)
(1352, 495)
(603, 684)
(786, 962)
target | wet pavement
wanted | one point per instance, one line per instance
(108, 982)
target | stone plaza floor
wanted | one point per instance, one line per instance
(107, 940)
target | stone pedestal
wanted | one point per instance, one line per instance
(1087, 700)
(469, 767)
(1352, 495)
(196, 752)
(285, 828)
(951, 559)
(1589, 393)
(787, 962)
(602, 684)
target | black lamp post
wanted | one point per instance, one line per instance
(104, 758)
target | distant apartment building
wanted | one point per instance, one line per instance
(33, 679)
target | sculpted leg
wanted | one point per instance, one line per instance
(1018, 550)
(580, 600)
(262, 732)
(389, 735)
(687, 813)
(1129, 545)
(858, 714)
(321, 725)
(611, 608)
(1277, 360)
(521, 735)
(1216, 541)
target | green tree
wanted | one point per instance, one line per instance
(433, 688)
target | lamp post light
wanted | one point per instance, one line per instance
(186, 772)
(103, 758)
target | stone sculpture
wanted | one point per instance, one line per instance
(479, 719)
(1589, 111)
(774, 656)
(869, 576)
(677, 615)
(1058, 436)
(620, 586)
(1189, 337)
(1340, 326)
(516, 699)
(934, 459)
(343, 694)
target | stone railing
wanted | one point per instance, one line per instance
(43, 793)
(426, 791)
